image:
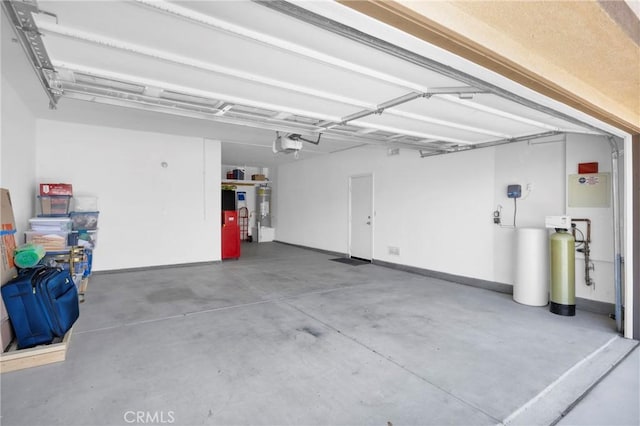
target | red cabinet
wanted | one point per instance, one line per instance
(230, 235)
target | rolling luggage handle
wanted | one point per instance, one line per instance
(37, 275)
(29, 273)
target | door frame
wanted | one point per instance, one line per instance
(349, 213)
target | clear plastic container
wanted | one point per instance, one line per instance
(50, 224)
(84, 203)
(51, 241)
(86, 239)
(54, 205)
(84, 220)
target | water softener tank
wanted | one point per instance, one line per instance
(562, 268)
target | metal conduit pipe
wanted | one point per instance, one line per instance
(586, 249)
(617, 240)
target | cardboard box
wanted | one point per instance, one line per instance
(258, 177)
(56, 189)
(7, 267)
(8, 240)
(6, 329)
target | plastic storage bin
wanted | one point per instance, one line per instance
(50, 224)
(84, 203)
(86, 239)
(54, 205)
(84, 220)
(51, 241)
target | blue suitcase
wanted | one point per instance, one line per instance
(58, 296)
(42, 303)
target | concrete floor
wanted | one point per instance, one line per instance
(284, 336)
(614, 402)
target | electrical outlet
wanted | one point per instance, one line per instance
(394, 251)
(496, 217)
(529, 187)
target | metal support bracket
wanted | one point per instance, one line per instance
(457, 148)
(21, 16)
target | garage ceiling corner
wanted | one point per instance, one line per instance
(518, 40)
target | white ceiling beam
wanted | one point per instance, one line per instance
(152, 105)
(51, 28)
(366, 131)
(242, 75)
(272, 124)
(281, 44)
(190, 90)
(390, 129)
(497, 112)
(140, 101)
(425, 119)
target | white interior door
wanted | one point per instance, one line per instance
(361, 220)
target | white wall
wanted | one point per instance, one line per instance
(540, 164)
(438, 210)
(546, 165)
(17, 151)
(586, 149)
(149, 215)
(435, 210)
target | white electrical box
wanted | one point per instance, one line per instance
(284, 144)
(589, 190)
(563, 222)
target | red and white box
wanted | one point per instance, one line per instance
(56, 189)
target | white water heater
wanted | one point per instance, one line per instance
(263, 205)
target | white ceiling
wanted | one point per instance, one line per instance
(238, 71)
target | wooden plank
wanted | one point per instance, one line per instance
(14, 360)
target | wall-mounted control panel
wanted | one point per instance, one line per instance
(514, 191)
(589, 190)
